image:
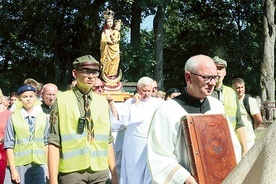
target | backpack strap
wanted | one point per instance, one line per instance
(247, 107)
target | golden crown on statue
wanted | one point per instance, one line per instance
(108, 14)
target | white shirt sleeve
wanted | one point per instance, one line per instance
(131, 113)
(253, 106)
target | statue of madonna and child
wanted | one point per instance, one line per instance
(110, 51)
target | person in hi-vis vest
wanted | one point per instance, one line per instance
(26, 141)
(80, 140)
(229, 99)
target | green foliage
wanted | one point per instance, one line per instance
(137, 63)
(230, 30)
(40, 39)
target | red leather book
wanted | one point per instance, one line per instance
(209, 146)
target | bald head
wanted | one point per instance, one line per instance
(49, 93)
(197, 62)
(201, 76)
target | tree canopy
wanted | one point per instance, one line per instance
(40, 39)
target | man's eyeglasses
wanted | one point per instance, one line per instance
(87, 73)
(49, 94)
(208, 78)
(98, 87)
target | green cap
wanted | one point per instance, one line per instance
(219, 61)
(86, 61)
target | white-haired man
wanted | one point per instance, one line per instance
(136, 115)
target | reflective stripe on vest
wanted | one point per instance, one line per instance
(77, 153)
(25, 151)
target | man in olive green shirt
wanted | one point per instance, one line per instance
(230, 102)
(80, 145)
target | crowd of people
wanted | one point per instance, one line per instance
(49, 136)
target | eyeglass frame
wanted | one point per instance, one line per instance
(207, 78)
(87, 72)
(50, 94)
(98, 87)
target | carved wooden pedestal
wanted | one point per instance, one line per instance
(118, 96)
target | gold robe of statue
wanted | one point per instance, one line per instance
(110, 52)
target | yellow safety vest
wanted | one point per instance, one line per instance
(230, 104)
(77, 152)
(27, 151)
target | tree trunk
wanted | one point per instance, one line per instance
(158, 46)
(135, 25)
(267, 68)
